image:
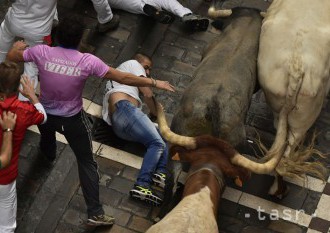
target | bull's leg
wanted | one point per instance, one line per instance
(279, 188)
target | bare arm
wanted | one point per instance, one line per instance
(147, 97)
(7, 122)
(15, 54)
(133, 80)
(28, 91)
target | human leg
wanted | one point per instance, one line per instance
(172, 6)
(160, 175)
(47, 142)
(77, 131)
(107, 20)
(8, 207)
(132, 6)
(30, 68)
(6, 40)
(132, 124)
(162, 163)
(192, 21)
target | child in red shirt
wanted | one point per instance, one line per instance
(28, 113)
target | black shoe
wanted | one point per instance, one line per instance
(195, 22)
(111, 25)
(159, 179)
(101, 220)
(145, 194)
(160, 16)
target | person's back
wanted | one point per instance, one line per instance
(63, 73)
(36, 16)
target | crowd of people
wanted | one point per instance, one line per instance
(62, 72)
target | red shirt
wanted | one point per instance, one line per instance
(27, 115)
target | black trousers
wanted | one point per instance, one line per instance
(77, 132)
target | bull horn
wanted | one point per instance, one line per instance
(187, 142)
(275, 153)
(213, 13)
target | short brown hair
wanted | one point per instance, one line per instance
(10, 75)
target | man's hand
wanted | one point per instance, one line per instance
(164, 85)
(15, 54)
(8, 120)
(20, 45)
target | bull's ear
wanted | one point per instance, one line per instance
(176, 157)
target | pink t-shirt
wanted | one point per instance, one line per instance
(63, 73)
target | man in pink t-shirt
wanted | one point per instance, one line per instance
(63, 72)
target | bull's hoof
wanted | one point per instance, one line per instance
(280, 193)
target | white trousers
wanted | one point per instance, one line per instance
(136, 6)
(7, 37)
(103, 10)
(8, 207)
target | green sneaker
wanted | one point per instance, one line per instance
(145, 194)
(101, 220)
(159, 179)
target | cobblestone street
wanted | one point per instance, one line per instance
(50, 199)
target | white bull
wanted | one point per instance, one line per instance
(294, 72)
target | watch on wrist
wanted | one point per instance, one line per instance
(7, 130)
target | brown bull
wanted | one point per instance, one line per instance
(209, 163)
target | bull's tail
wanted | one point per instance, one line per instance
(296, 165)
(276, 152)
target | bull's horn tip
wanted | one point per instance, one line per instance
(238, 182)
(176, 157)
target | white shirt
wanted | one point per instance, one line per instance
(35, 16)
(133, 67)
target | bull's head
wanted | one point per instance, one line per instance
(210, 151)
(200, 142)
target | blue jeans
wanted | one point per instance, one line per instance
(130, 123)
